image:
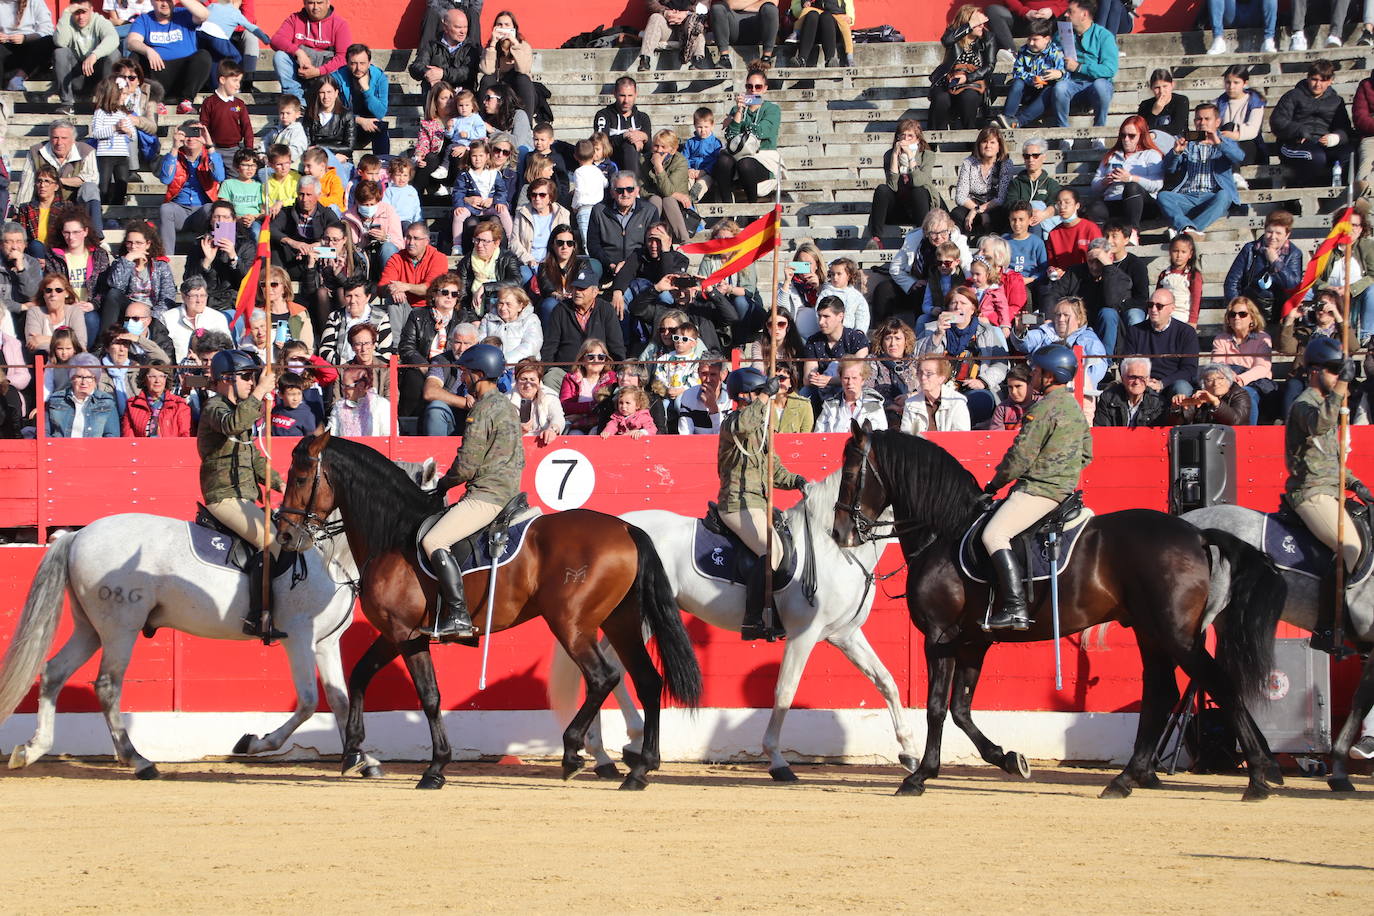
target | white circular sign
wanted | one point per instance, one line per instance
(564, 479)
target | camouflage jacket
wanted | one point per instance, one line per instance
(231, 466)
(1309, 447)
(741, 459)
(1051, 450)
(492, 456)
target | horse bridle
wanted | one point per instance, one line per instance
(865, 526)
(317, 528)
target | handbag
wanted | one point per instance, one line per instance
(979, 85)
(743, 143)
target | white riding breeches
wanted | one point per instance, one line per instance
(1319, 514)
(246, 519)
(752, 527)
(465, 517)
(1020, 511)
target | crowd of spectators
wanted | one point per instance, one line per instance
(564, 251)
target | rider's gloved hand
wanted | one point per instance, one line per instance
(1362, 494)
(992, 488)
(771, 387)
(1348, 371)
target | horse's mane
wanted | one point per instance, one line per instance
(387, 506)
(927, 485)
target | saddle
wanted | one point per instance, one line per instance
(215, 543)
(718, 553)
(1032, 546)
(1296, 549)
(495, 545)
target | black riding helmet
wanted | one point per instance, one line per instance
(484, 359)
(1324, 353)
(751, 380)
(1057, 360)
(229, 363)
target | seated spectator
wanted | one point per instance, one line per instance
(1183, 277)
(824, 349)
(366, 92)
(1313, 128)
(628, 127)
(294, 416)
(147, 336)
(501, 112)
(330, 126)
(857, 403)
(894, 372)
(164, 43)
(534, 225)
(1068, 324)
(1336, 10)
(750, 162)
(226, 29)
(192, 172)
(62, 348)
(1362, 113)
(285, 137)
(1131, 402)
(909, 189)
(86, 47)
(834, 28)
(478, 194)
(665, 182)
(1166, 114)
(1118, 236)
(79, 258)
(309, 45)
(1038, 65)
(286, 319)
(702, 149)
(581, 317)
(552, 281)
(436, 14)
(336, 342)
(1092, 71)
(361, 411)
(1206, 187)
(1319, 318)
(447, 57)
(686, 26)
(29, 37)
(1361, 282)
(1220, 400)
(12, 412)
(33, 215)
(120, 369)
(1011, 413)
(981, 188)
(509, 59)
(637, 375)
(985, 279)
(1241, 110)
(516, 323)
(81, 410)
(223, 259)
(427, 333)
(1067, 243)
(1243, 14)
(704, 405)
(156, 412)
(1026, 253)
(1130, 174)
(225, 115)
(617, 231)
(676, 370)
(631, 416)
(1171, 345)
(77, 178)
(587, 387)
(744, 22)
(362, 342)
(541, 413)
(1009, 19)
(19, 272)
(447, 400)
(1267, 270)
(299, 229)
(800, 288)
(937, 405)
(1246, 350)
(489, 263)
(327, 266)
(374, 227)
(741, 287)
(666, 306)
(407, 276)
(844, 278)
(192, 319)
(1036, 188)
(781, 336)
(976, 349)
(55, 307)
(960, 83)
(913, 264)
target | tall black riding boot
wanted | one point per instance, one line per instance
(1011, 613)
(258, 623)
(1323, 634)
(754, 604)
(453, 622)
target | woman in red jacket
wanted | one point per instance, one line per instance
(156, 412)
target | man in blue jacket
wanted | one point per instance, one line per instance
(366, 92)
(1092, 68)
(1208, 185)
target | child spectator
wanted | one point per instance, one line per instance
(282, 182)
(589, 184)
(992, 299)
(369, 169)
(374, 224)
(1067, 243)
(11, 408)
(701, 150)
(631, 417)
(679, 370)
(1183, 277)
(465, 126)
(846, 279)
(431, 142)
(315, 163)
(224, 114)
(949, 273)
(114, 133)
(998, 254)
(1027, 251)
(245, 192)
(605, 155)
(216, 32)
(479, 190)
(1038, 64)
(1011, 413)
(317, 374)
(400, 195)
(293, 416)
(288, 131)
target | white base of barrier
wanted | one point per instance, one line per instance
(862, 736)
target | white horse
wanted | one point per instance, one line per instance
(844, 597)
(127, 572)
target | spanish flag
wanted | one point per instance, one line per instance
(247, 298)
(1340, 235)
(754, 241)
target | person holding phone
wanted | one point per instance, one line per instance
(508, 58)
(1206, 160)
(222, 256)
(750, 159)
(192, 171)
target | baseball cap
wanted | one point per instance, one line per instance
(588, 274)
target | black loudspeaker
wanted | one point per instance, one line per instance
(1202, 467)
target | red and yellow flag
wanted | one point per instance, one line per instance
(1340, 235)
(248, 289)
(754, 241)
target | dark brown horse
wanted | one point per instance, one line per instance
(1140, 568)
(581, 571)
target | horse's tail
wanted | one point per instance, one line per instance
(1246, 625)
(32, 638)
(658, 606)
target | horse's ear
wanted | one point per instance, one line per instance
(317, 444)
(868, 426)
(857, 431)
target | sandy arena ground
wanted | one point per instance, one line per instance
(216, 837)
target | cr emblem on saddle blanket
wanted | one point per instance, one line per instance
(491, 547)
(1031, 546)
(718, 554)
(1294, 548)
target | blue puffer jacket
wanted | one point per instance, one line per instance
(101, 416)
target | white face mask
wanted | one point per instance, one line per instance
(367, 211)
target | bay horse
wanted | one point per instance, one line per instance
(582, 571)
(1140, 568)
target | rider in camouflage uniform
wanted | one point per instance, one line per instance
(1047, 459)
(490, 462)
(1311, 450)
(741, 458)
(232, 470)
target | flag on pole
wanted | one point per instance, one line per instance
(248, 289)
(1341, 234)
(754, 241)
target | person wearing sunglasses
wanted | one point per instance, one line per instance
(750, 160)
(534, 222)
(583, 315)
(616, 233)
(912, 266)
(1128, 176)
(427, 333)
(553, 277)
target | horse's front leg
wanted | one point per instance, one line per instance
(794, 658)
(939, 672)
(968, 668)
(302, 662)
(377, 656)
(1339, 780)
(420, 664)
(857, 649)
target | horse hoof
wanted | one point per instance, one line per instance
(783, 774)
(1014, 762)
(910, 788)
(18, 758)
(632, 759)
(606, 771)
(908, 762)
(1256, 792)
(1115, 789)
(633, 783)
(571, 765)
(351, 763)
(1273, 775)
(431, 781)
(244, 744)
(372, 771)
(148, 772)
(1150, 781)
(1340, 784)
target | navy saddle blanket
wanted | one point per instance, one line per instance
(1294, 548)
(477, 554)
(1030, 547)
(215, 548)
(723, 558)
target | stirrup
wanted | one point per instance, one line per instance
(1321, 641)
(457, 628)
(751, 630)
(268, 634)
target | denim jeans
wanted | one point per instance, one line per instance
(1254, 404)
(1196, 210)
(1228, 14)
(1034, 108)
(1363, 307)
(285, 65)
(1181, 386)
(438, 420)
(1068, 88)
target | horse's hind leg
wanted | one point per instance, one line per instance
(59, 669)
(968, 668)
(1219, 686)
(114, 661)
(599, 677)
(1339, 780)
(377, 656)
(856, 648)
(1159, 695)
(626, 635)
(420, 664)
